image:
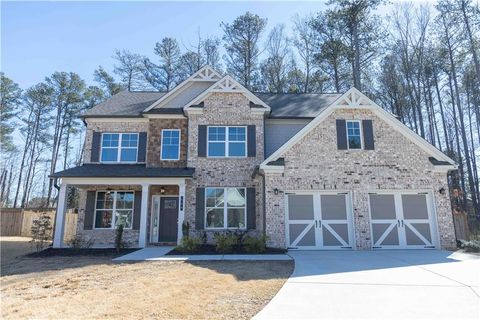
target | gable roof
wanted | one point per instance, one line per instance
(353, 98)
(193, 86)
(228, 85)
(297, 105)
(124, 104)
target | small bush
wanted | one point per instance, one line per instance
(224, 242)
(119, 243)
(79, 242)
(186, 229)
(41, 232)
(471, 246)
(240, 235)
(255, 244)
(189, 244)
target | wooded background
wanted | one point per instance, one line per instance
(420, 62)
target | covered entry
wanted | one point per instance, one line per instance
(402, 220)
(319, 221)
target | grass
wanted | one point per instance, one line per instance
(85, 287)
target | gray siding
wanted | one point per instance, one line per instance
(277, 132)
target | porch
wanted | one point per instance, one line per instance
(152, 209)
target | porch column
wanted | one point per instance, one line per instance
(142, 238)
(60, 217)
(181, 210)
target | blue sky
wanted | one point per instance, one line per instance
(38, 38)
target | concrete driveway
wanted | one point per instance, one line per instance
(400, 284)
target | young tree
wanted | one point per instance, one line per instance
(68, 90)
(106, 82)
(10, 94)
(129, 68)
(163, 76)
(304, 42)
(276, 67)
(361, 32)
(241, 39)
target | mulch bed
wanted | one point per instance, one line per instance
(210, 249)
(69, 252)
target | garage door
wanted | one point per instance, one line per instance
(402, 220)
(319, 221)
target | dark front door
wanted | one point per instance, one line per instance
(168, 225)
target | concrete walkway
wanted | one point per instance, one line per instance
(401, 284)
(159, 254)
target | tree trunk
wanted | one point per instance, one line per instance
(472, 40)
(442, 113)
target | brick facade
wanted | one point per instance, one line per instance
(224, 109)
(155, 128)
(314, 163)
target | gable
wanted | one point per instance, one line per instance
(228, 85)
(187, 90)
(355, 100)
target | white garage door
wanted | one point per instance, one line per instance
(402, 220)
(319, 221)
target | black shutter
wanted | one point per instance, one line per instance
(341, 134)
(142, 147)
(137, 207)
(251, 208)
(368, 135)
(200, 209)
(202, 141)
(251, 141)
(95, 151)
(89, 211)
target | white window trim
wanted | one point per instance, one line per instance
(361, 134)
(119, 151)
(225, 211)
(226, 141)
(178, 149)
(113, 209)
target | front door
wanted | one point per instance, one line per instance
(319, 220)
(168, 221)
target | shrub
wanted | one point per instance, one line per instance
(186, 229)
(189, 244)
(240, 236)
(79, 242)
(119, 243)
(224, 242)
(255, 244)
(471, 246)
(41, 232)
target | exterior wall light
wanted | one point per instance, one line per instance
(275, 191)
(442, 190)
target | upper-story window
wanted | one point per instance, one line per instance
(170, 144)
(227, 141)
(354, 135)
(119, 147)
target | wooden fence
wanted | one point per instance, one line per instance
(461, 226)
(18, 222)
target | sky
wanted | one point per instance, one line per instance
(39, 38)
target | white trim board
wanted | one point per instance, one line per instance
(353, 98)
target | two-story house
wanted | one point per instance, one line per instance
(311, 171)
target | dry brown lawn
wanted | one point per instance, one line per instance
(13, 247)
(95, 287)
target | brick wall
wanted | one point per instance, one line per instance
(155, 128)
(224, 109)
(314, 163)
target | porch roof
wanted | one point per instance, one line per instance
(123, 170)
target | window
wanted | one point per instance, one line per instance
(113, 208)
(227, 142)
(225, 208)
(170, 144)
(354, 136)
(119, 147)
